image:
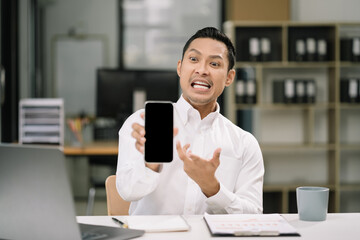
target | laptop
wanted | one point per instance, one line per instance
(36, 200)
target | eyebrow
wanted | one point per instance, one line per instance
(211, 56)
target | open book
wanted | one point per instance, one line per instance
(249, 225)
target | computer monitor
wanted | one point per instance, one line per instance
(159, 85)
(115, 94)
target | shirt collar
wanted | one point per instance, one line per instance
(184, 109)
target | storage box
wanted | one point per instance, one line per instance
(258, 10)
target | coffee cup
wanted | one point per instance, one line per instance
(312, 203)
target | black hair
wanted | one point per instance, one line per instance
(213, 33)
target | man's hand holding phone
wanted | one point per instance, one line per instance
(155, 140)
(139, 134)
(202, 171)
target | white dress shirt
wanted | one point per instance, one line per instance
(171, 191)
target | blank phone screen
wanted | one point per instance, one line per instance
(159, 131)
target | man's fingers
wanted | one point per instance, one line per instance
(136, 135)
(216, 156)
(182, 151)
(186, 147)
(139, 135)
(139, 147)
(176, 131)
(217, 153)
(138, 128)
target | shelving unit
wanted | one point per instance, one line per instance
(41, 121)
(315, 143)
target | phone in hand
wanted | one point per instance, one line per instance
(159, 131)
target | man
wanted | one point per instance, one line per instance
(217, 167)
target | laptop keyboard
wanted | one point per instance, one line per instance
(92, 235)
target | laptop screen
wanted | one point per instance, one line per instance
(35, 197)
(36, 200)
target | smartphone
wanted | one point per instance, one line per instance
(159, 131)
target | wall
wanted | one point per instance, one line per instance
(89, 17)
(101, 17)
(325, 10)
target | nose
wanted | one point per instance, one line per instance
(202, 68)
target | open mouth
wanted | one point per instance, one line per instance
(200, 85)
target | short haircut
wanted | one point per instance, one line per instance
(213, 33)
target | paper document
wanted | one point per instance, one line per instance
(249, 225)
(161, 223)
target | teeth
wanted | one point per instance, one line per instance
(202, 85)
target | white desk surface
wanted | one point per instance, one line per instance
(337, 226)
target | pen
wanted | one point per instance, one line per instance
(122, 224)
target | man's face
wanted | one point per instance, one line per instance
(204, 71)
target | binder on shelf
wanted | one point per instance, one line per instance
(310, 49)
(245, 89)
(353, 90)
(300, 50)
(265, 49)
(300, 96)
(254, 49)
(350, 49)
(322, 50)
(344, 86)
(358, 98)
(310, 92)
(345, 49)
(289, 90)
(278, 91)
(356, 49)
(349, 90)
(240, 91)
(250, 91)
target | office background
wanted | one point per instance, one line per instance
(92, 18)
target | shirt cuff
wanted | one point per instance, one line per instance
(220, 203)
(152, 174)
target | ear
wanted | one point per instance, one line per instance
(230, 77)
(178, 69)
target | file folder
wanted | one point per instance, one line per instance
(249, 225)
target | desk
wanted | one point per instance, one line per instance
(97, 153)
(337, 226)
(92, 149)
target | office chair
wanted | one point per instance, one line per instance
(115, 204)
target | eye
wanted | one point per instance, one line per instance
(215, 64)
(193, 59)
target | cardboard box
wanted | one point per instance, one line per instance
(258, 10)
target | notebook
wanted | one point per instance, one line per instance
(160, 223)
(36, 200)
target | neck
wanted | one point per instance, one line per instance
(206, 109)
